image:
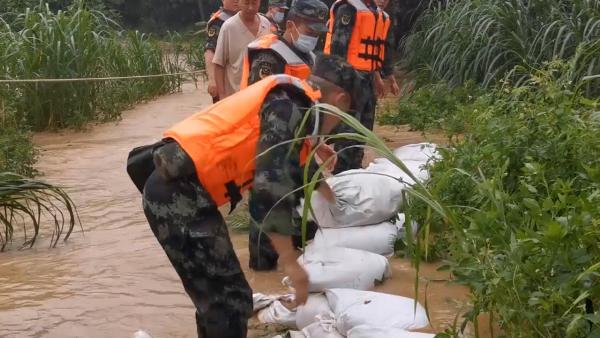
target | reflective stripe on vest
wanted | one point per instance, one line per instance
(366, 49)
(294, 65)
(221, 140)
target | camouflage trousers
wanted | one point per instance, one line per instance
(263, 256)
(193, 234)
(350, 153)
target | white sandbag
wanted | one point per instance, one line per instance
(420, 152)
(316, 305)
(261, 301)
(342, 268)
(365, 331)
(386, 167)
(353, 308)
(324, 328)
(277, 313)
(141, 334)
(362, 198)
(377, 239)
(292, 334)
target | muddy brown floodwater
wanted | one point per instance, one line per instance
(115, 279)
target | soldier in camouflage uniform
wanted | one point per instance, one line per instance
(305, 23)
(213, 28)
(341, 34)
(186, 221)
(276, 15)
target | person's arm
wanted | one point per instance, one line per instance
(220, 80)
(220, 59)
(263, 64)
(212, 31)
(277, 174)
(387, 71)
(343, 26)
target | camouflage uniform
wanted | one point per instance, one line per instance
(193, 234)
(188, 225)
(264, 63)
(366, 103)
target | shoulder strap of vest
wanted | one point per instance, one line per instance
(272, 42)
(219, 15)
(283, 79)
(359, 5)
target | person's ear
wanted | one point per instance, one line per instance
(343, 101)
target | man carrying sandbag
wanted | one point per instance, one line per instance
(207, 160)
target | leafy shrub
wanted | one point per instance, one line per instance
(523, 186)
(434, 106)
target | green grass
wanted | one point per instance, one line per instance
(484, 40)
(77, 43)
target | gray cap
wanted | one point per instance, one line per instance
(313, 12)
(337, 71)
(278, 3)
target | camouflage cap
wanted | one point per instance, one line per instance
(278, 3)
(337, 71)
(313, 12)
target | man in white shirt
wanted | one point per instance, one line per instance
(236, 33)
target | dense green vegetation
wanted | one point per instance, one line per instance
(516, 83)
(43, 43)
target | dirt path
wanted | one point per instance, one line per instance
(115, 278)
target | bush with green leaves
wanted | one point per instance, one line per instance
(484, 40)
(77, 43)
(434, 106)
(523, 189)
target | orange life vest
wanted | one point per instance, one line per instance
(294, 65)
(222, 139)
(219, 15)
(366, 50)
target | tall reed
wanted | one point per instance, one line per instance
(76, 43)
(484, 40)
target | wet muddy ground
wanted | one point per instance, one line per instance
(114, 278)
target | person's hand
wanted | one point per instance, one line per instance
(299, 279)
(325, 190)
(394, 86)
(379, 86)
(212, 89)
(327, 155)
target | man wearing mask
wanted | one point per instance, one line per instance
(357, 32)
(276, 15)
(205, 162)
(289, 54)
(292, 52)
(236, 34)
(213, 28)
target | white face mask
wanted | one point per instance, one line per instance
(306, 43)
(278, 17)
